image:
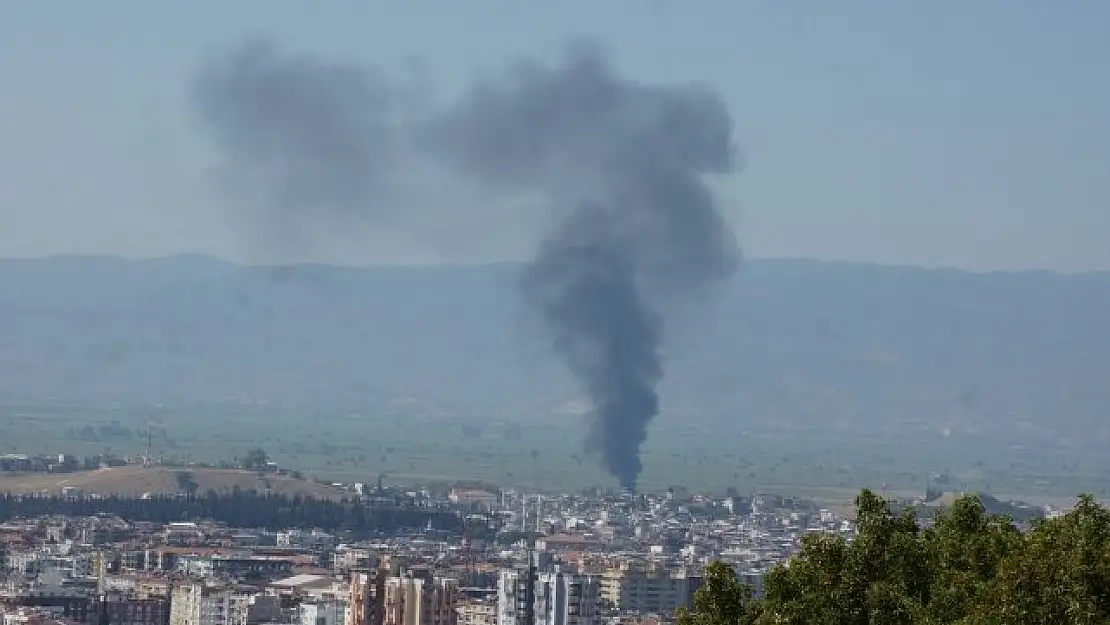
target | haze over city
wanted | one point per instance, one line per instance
(554, 313)
(950, 134)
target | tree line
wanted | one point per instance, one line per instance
(239, 508)
(968, 568)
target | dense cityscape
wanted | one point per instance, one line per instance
(598, 558)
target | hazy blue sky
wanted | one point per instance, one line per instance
(974, 134)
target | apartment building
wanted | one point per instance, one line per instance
(365, 598)
(561, 596)
(477, 612)
(648, 587)
(566, 598)
(195, 604)
(420, 599)
(330, 612)
(412, 598)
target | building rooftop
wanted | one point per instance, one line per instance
(300, 580)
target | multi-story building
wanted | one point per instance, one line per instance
(566, 598)
(24, 562)
(195, 604)
(187, 606)
(120, 610)
(415, 598)
(477, 612)
(420, 600)
(76, 606)
(347, 558)
(560, 597)
(648, 587)
(510, 592)
(332, 612)
(366, 596)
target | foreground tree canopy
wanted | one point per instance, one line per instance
(969, 568)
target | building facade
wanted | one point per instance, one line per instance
(477, 612)
(195, 604)
(333, 612)
(420, 600)
(560, 597)
(651, 587)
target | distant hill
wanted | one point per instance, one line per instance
(790, 344)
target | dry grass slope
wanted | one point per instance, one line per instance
(136, 481)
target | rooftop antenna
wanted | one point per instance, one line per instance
(146, 460)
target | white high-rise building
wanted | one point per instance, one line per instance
(507, 586)
(561, 597)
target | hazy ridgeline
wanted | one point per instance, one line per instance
(839, 374)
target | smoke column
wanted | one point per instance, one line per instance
(305, 142)
(620, 165)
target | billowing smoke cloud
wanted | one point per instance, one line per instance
(621, 163)
(304, 141)
(630, 160)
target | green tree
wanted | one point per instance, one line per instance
(969, 568)
(967, 547)
(1061, 574)
(256, 459)
(721, 599)
(186, 481)
(880, 577)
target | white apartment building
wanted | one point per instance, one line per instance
(507, 607)
(561, 597)
(332, 612)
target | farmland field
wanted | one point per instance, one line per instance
(548, 454)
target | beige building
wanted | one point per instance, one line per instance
(195, 604)
(365, 598)
(152, 588)
(420, 600)
(415, 598)
(648, 587)
(477, 612)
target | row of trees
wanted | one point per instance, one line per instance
(239, 508)
(969, 568)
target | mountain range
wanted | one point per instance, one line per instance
(786, 344)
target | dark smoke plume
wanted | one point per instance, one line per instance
(304, 141)
(643, 224)
(621, 163)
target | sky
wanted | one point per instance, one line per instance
(951, 133)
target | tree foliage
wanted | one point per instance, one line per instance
(241, 508)
(721, 599)
(968, 568)
(256, 459)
